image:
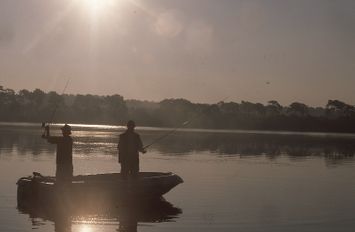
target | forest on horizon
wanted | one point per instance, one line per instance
(39, 106)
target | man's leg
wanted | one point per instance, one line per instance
(64, 173)
(124, 170)
(135, 168)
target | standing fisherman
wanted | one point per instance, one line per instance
(64, 158)
(129, 146)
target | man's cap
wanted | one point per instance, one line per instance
(66, 128)
(131, 123)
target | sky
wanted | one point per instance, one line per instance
(200, 50)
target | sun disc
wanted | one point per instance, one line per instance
(97, 6)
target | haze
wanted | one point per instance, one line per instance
(200, 50)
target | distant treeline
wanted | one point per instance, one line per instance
(39, 106)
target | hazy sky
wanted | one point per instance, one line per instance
(200, 50)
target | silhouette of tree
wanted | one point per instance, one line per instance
(39, 106)
(273, 108)
(336, 108)
(115, 109)
(298, 109)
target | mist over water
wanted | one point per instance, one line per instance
(234, 181)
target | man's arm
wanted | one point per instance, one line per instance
(51, 139)
(140, 145)
(54, 139)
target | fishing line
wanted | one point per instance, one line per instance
(56, 107)
(182, 125)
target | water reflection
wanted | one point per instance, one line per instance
(334, 149)
(125, 215)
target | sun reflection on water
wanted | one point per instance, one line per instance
(85, 228)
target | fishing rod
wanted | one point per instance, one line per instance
(182, 125)
(44, 125)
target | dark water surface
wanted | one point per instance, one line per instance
(234, 181)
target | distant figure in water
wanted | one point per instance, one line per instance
(129, 146)
(64, 158)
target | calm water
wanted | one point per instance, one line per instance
(234, 181)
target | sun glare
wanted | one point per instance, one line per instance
(98, 6)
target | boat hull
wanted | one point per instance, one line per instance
(94, 189)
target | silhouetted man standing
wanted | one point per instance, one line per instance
(129, 146)
(64, 158)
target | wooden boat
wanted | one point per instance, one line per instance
(98, 188)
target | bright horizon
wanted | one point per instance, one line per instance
(200, 50)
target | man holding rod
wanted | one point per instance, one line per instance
(129, 146)
(64, 156)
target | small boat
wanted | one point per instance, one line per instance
(98, 188)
